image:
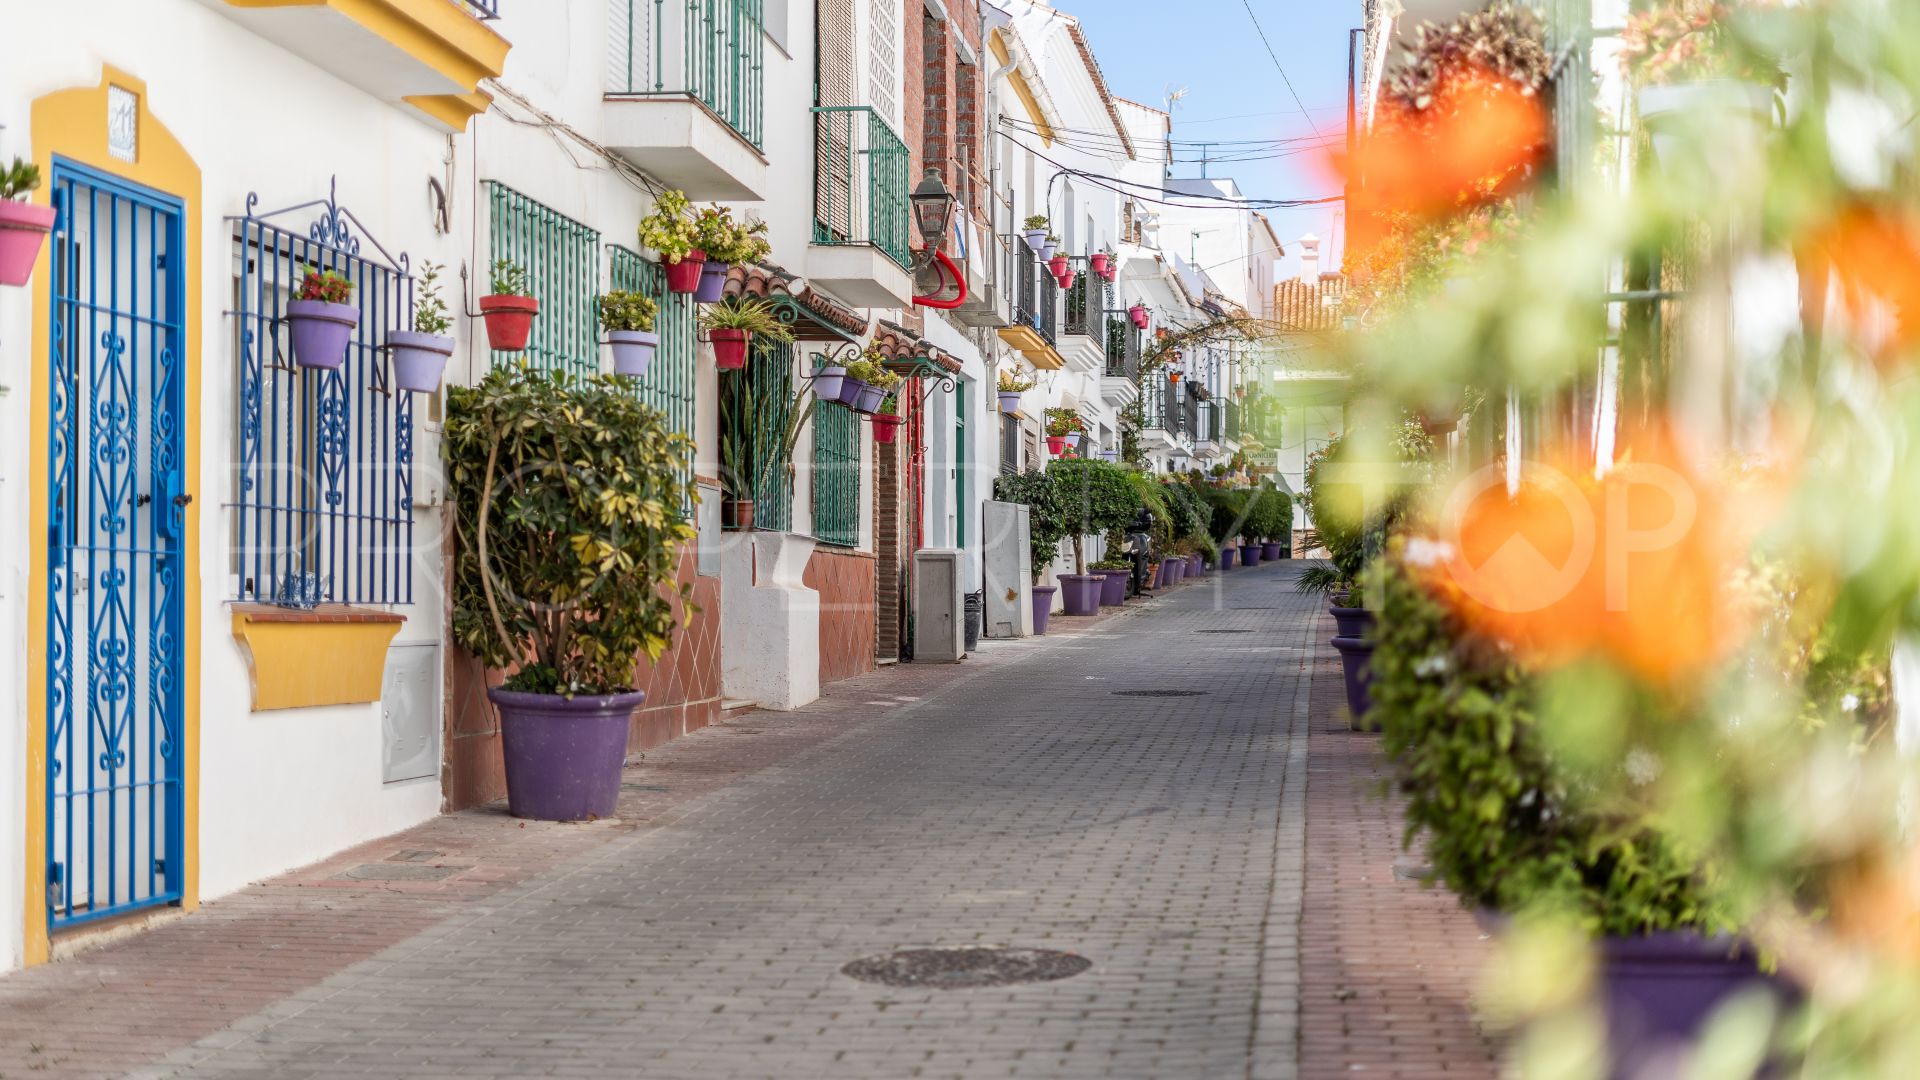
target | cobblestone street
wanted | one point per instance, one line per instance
(1055, 794)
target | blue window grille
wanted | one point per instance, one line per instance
(562, 259)
(836, 475)
(669, 382)
(323, 474)
(483, 9)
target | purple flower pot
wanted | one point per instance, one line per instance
(1270, 551)
(419, 360)
(1226, 557)
(563, 755)
(1177, 569)
(1196, 566)
(1661, 989)
(1353, 622)
(871, 397)
(1042, 606)
(1356, 663)
(850, 389)
(320, 332)
(829, 382)
(1114, 592)
(1080, 593)
(713, 282)
(632, 351)
(1009, 401)
(1249, 554)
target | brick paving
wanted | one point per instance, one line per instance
(1177, 843)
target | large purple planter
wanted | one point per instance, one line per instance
(1196, 566)
(1080, 593)
(563, 755)
(1042, 606)
(1661, 989)
(1270, 551)
(713, 282)
(1356, 663)
(1353, 622)
(1113, 592)
(1249, 554)
(1226, 557)
(320, 332)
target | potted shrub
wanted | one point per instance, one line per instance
(419, 356)
(670, 233)
(887, 421)
(1064, 430)
(320, 321)
(1011, 387)
(1036, 228)
(1099, 262)
(829, 378)
(556, 585)
(1694, 73)
(507, 308)
(726, 243)
(23, 226)
(1116, 572)
(1097, 499)
(735, 325)
(1047, 525)
(627, 320)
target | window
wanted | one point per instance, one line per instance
(883, 61)
(756, 418)
(562, 258)
(669, 383)
(1009, 445)
(323, 459)
(836, 475)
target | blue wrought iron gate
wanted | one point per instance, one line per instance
(116, 508)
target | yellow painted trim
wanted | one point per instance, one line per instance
(295, 665)
(1034, 347)
(451, 111)
(1022, 90)
(440, 34)
(73, 124)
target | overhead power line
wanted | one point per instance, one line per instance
(1161, 196)
(1276, 63)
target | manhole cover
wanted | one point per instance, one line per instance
(1223, 631)
(1160, 693)
(966, 966)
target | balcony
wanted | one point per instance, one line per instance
(1120, 385)
(428, 56)
(1083, 317)
(685, 94)
(861, 220)
(983, 307)
(1034, 306)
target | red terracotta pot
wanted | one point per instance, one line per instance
(1057, 445)
(730, 348)
(1066, 279)
(684, 276)
(1058, 264)
(1099, 264)
(884, 427)
(736, 514)
(509, 321)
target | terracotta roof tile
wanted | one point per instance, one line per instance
(1300, 306)
(898, 344)
(769, 282)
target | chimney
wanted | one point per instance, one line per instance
(1310, 259)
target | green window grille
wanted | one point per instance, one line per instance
(711, 50)
(668, 384)
(562, 258)
(962, 464)
(836, 475)
(756, 413)
(860, 181)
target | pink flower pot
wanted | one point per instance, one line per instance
(684, 276)
(23, 230)
(730, 348)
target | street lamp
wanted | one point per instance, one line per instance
(933, 207)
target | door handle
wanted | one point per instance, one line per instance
(182, 500)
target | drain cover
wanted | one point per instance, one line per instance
(1223, 631)
(399, 872)
(1160, 693)
(966, 966)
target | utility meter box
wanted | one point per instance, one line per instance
(1008, 573)
(939, 612)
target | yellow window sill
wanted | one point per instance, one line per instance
(332, 655)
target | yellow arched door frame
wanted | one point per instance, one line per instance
(74, 124)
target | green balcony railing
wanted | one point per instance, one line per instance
(709, 50)
(860, 182)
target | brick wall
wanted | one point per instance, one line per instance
(888, 546)
(943, 105)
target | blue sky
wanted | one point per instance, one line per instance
(1147, 47)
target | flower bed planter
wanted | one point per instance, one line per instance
(829, 381)
(684, 276)
(1226, 557)
(730, 348)
(419, 360)
(632, 351)
(23, 229)
(1352, 622)
(320, 332)
(1196, 566)
(1356, 657)
(885, 427)
(1042, 606)
(1113, 592)
(1660, 990)
(1080, 593)
(713, 282)
(563, 755)
(509, 321)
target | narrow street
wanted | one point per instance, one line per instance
(1134, 793)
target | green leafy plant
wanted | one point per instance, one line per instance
(566, 496)
(1061, 422)
(890, 406)
(1047, 513)
(19, 179)
(624, 310)
(509, 278)
(1033, 222)
(429, 308)
(873, 374)
(1012, 383)
(750, 463)
(757, 317)
(668, 230)
(329, 286)
(726, 240)
(1096, 497)
(1676, 41)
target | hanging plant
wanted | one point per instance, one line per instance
(735, 324)
(887, 420)
(1011, 386)
(320, 321)
(1036, 228)
(627, 319)
(726, 243)
(508, 308)
(669, 232)
(419, 356)
(23, 226)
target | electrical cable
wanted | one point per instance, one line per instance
(1206, 201)
(1276, 63)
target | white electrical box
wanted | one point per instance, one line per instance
(410, 713)
(939, 612)
(1008, 570)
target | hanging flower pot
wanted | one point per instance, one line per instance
(884, 427)
(632, 351)
(1009, 401)
(419, 360)
(684, 276)
(1036, 239)
(730, 348)
(23, 228)
(1138, 313)
(1173, 376)
(1073, 440)
(871, 398)
(828, 382)
(1058, 264)
(852, 390)
(1067, 279)
(1099, 263)
(509, 320)
(713, 282)
(1057, 445)
(1047, 249)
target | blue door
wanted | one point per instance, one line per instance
(115, 508)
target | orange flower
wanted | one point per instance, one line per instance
(1470, 142)
(1874, 257)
